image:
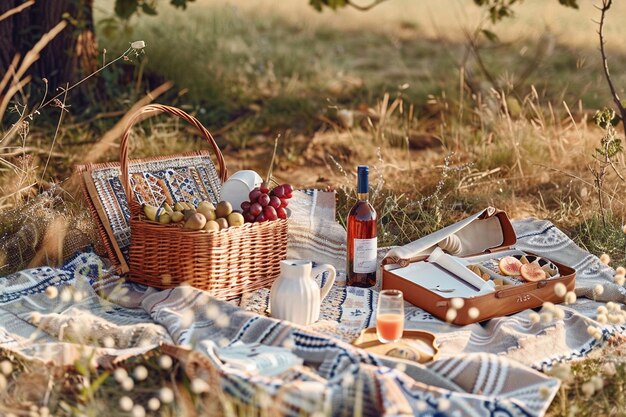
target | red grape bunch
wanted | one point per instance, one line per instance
(266, 205)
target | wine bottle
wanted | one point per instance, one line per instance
(362, 242)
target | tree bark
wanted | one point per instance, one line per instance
(72, 55)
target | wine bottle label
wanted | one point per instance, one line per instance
(364, 256)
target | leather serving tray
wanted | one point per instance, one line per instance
(485, 236)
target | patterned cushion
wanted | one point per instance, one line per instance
(188, 177)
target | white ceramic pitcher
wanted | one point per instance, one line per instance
(295, 296)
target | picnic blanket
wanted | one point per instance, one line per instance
(83, 309)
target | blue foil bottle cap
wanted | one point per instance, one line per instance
(362, 179)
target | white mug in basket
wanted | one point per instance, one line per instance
(238, 186)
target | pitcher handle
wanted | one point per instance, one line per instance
(332, 273)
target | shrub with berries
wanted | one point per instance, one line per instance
(265, 204)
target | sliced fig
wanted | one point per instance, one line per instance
(510, 266)
(533, 273)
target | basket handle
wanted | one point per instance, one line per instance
(152, 110)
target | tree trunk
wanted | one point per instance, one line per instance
(72, 55)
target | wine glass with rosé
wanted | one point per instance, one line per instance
(390, 316)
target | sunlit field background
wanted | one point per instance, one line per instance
(449, 121)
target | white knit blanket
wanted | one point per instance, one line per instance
(485, 369)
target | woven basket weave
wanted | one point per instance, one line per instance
(225, 263)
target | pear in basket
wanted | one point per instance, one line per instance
(177, 216)
(224, 208)
(151, 212)
(207, 209)
(195, 222)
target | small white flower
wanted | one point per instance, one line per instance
(451, 315)
(605, 259)
(591, 330)
(35, 317)
(588, 389)
(165, 361)
(598, 382)
(570, 297)
(108, 342)
(421, 406)
(620, 270)
(66, 295)
(126, 404)
(140, 373)
(560, 290)
(166, 395)
(138, 45)
(138, 411)
(52, 292)
(154, 404)
(473, 313)
(6, 367)
(598, 290)
(546, 317)
(78, 296)
(559, 313)
(548, 306)
(562, 371)
(128, 384)
(198, 386)
(602, 310)
(120, 374)
(457, 303)
(534, 317)
(619, 279)
(608, 369)
(602, 319)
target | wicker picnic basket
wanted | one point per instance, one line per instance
(225, 263)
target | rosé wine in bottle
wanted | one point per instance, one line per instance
(362, 242)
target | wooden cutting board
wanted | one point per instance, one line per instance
(415, 345)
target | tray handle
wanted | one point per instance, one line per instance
(152, 110)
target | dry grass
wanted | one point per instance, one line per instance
(437, 150)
